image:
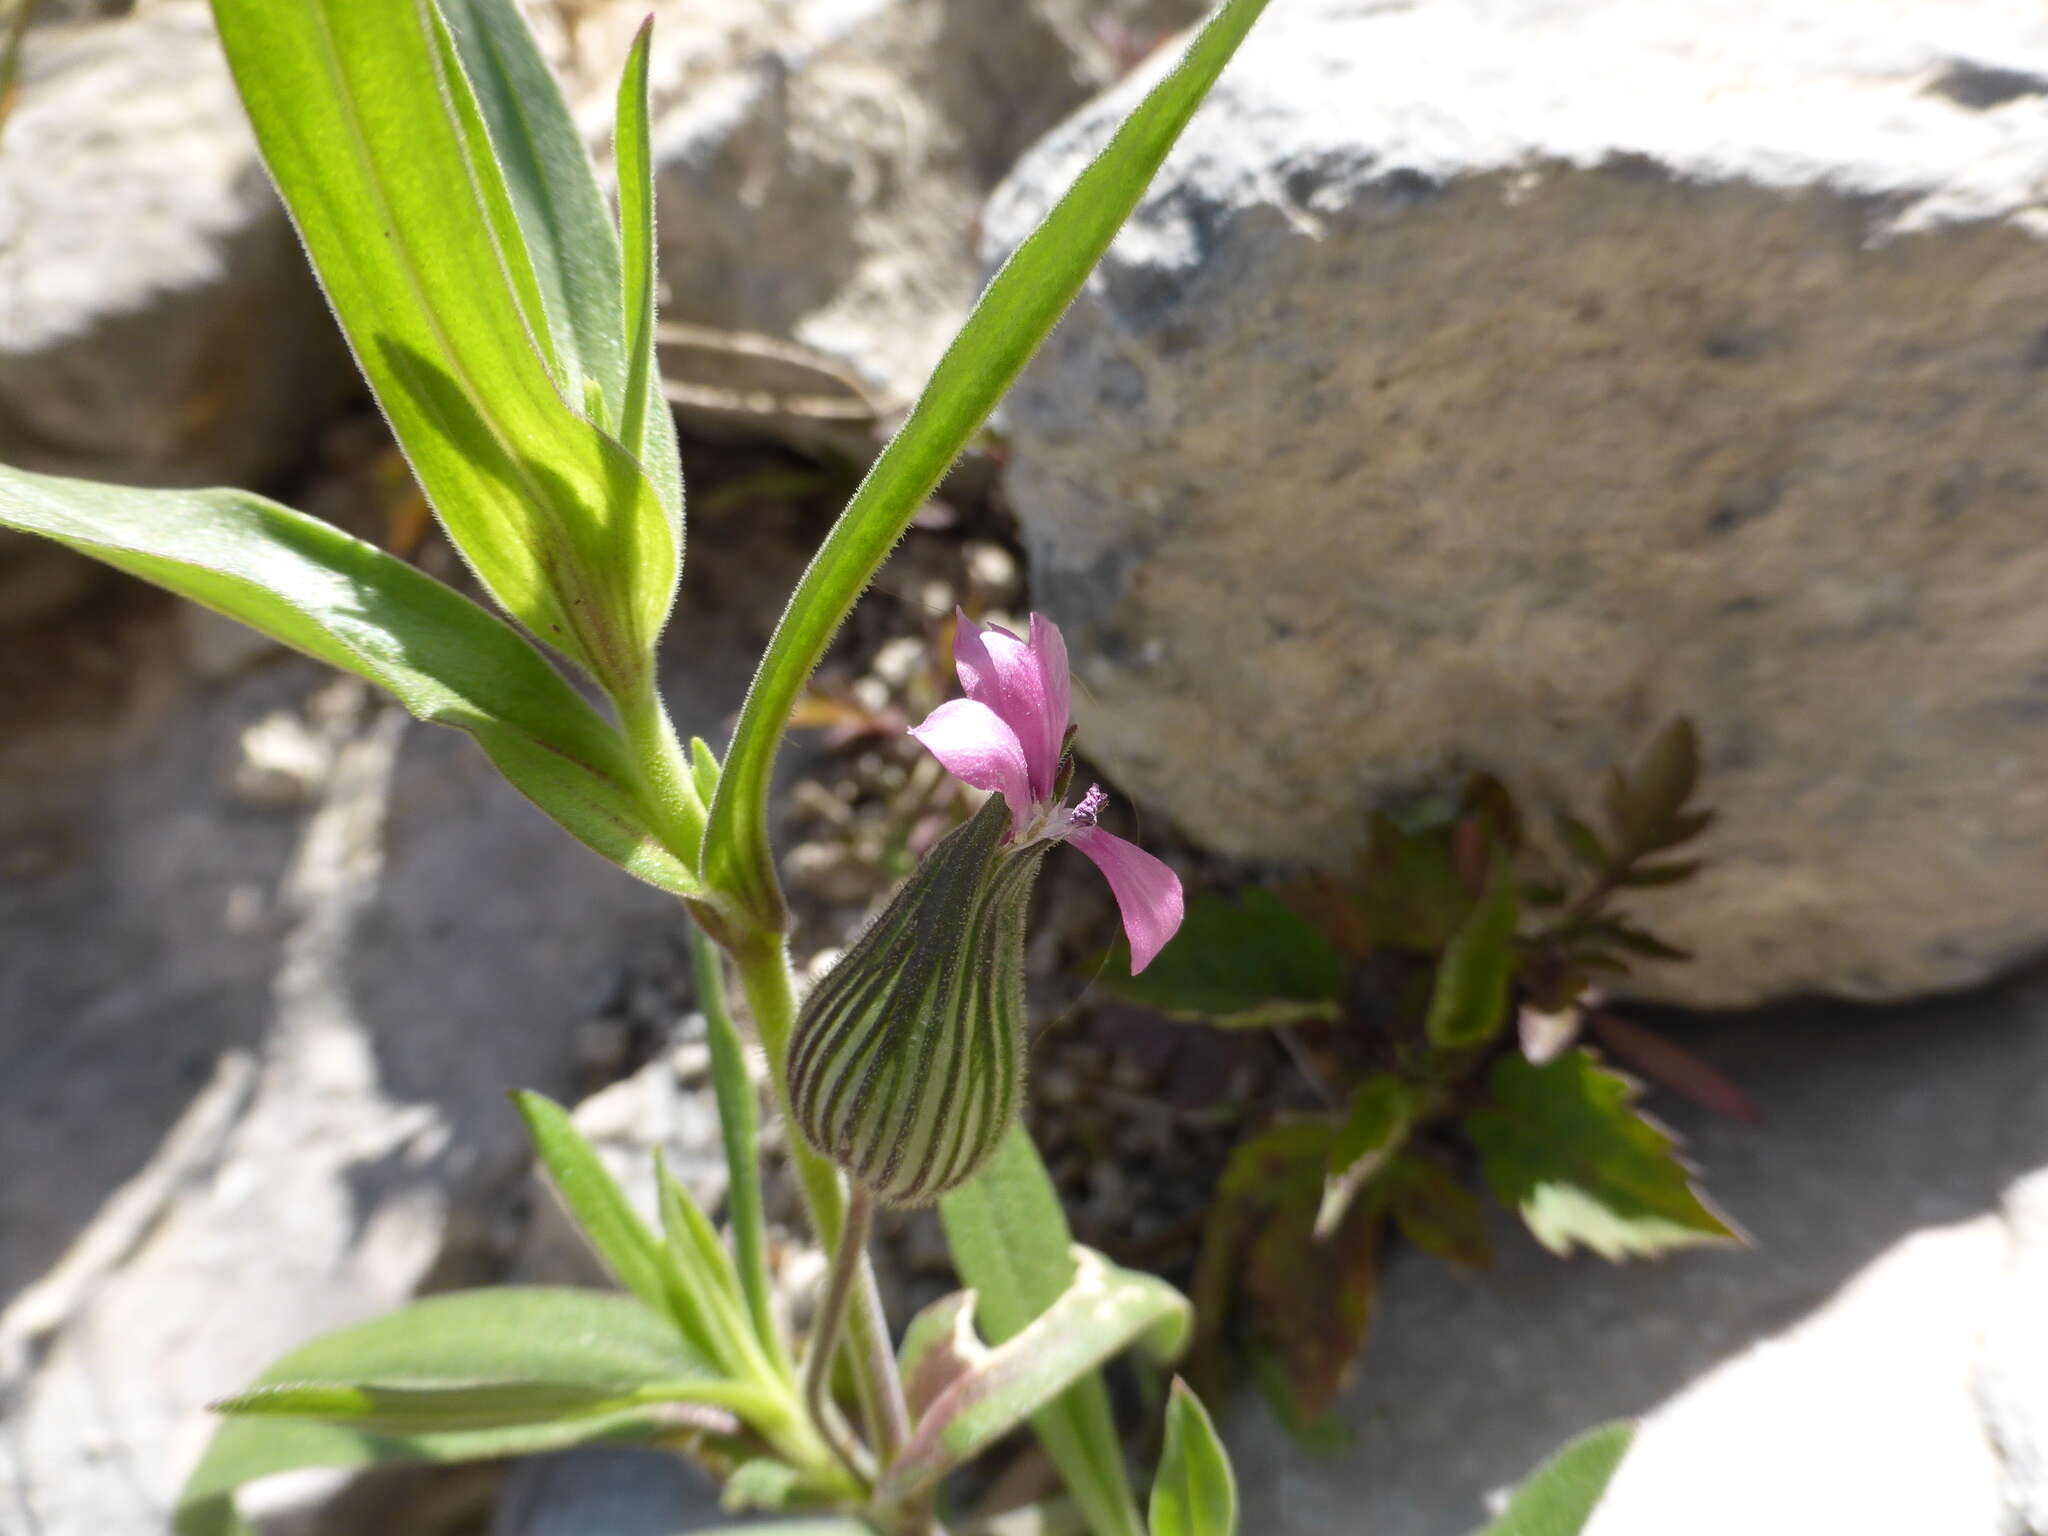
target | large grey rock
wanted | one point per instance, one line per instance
(157, 320)
(1859, 1368)
(1481, 385)
(820, 166)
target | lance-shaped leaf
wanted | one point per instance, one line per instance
(601, 1211)
(312, 587)
(1561, 1495)
(562, 215)
(1014, 314)
(1010, 1242)
(1194, 1492)
(245, 1450)
(1562, 1144)
(704, 1281)
(1474, 981)
(739, 1129)
(906, 1065)
(490, 1359)
(370, 128)
(977, 1394)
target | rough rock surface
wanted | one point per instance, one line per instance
(257, 1030)
(1482, 385)
(820, 165)
(606, 1492)
(1871, 1364)
(157, 320)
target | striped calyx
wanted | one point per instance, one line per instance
(907, 1062)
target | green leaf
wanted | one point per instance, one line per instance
(599, 1207)
(347, 603)
(558, 210)
(762, 1483)
(1561, 1144)
(1382, 1110)
(373, 135)
(1409, 892)
(503, 1355)
(1254, 962)
(703, 768)
(1296, 1305)
(1014, 314)
(1583, 843)
(1668, 774)
(1475, 979)
(1195, 1492)
(990, 1391)
(739, 1127)
(645, 407)
(704, 1284)
(1011, 1244)
(1560, 1496)
(1647, 808)
(1640, 941)
(1436, 1213)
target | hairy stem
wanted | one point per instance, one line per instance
(763, 964)
(664, 770)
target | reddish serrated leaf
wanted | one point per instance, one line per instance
(1436, 1213)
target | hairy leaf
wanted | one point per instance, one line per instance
(1011, 1244)
(644, 404)
(1560, 1496)
(1242, 964)
(347, 603)
(602, 1213)
(370, 128)
(471, 1339)
(1014, 314)
(1194, 1492)
(246, 1449)
(1561, 1144)
(989, 1391)
(739, 1128)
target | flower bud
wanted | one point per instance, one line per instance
(906, 1065)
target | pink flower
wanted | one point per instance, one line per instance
(1010, 735)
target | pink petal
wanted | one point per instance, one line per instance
(1055, 680)
(1006, 674)
(1146, 891)
(977, 747)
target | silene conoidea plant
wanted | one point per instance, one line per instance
(505, 322)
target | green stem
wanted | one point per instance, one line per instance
(665, 775)
(763, 964)
(739, 1125)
